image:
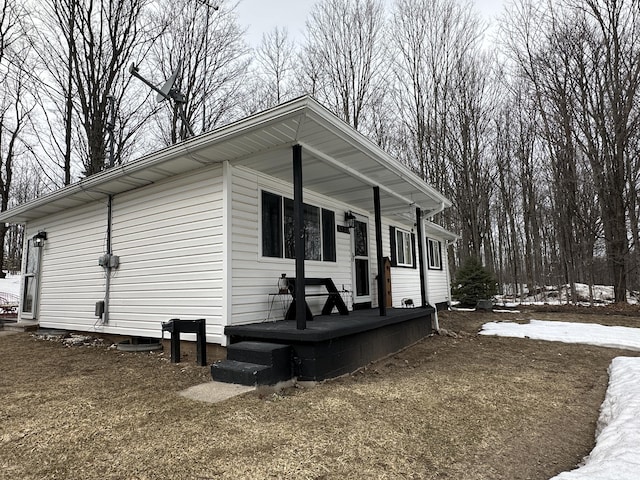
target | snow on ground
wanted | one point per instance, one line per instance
(567, 332)
(10, 285)
(560, 294)
(616, 455)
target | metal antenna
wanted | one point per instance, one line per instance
(111, 124)
(168, 92)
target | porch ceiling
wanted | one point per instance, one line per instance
(337, 162)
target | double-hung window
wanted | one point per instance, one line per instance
(404, 248)
(402, 251)
(278, 230)
(433, 247)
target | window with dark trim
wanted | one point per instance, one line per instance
(278, 230)
(271, 225)
(402, 251)
(434, 250)
(328, 235)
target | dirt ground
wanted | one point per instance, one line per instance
(457, 407)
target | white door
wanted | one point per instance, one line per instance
(31, 281)
(360, 254)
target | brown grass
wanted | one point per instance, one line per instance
(471, 407)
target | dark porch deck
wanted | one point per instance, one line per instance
(333, 345)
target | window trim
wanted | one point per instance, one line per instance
(432, 243)
(326, 251)
(407, 236)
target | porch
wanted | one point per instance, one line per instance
(334, 345)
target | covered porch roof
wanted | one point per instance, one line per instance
(337, 161)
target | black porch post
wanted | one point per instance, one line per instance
(423, 285)
(376, 206)
(298, 238)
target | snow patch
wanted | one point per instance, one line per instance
(568, 332)
(616, 455)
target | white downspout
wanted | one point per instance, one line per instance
(435, 325)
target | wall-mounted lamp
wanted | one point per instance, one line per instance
(39, 239)
(349, 219)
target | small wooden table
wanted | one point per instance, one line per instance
(334, 299)
(175, 327)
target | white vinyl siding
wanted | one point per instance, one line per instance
(255, 276)
(71, 280)
(405, 282)
(170, 242)
(437, 279)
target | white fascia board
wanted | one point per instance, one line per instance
(187, 149)
(434, 228)
(362, 143)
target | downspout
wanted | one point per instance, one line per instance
(439, 209)
(435, 323)
(107, 267)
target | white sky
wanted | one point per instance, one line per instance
(261, 16)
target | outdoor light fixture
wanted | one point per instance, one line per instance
(349, 219)
(39, 239)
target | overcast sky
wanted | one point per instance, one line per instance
(260, 16)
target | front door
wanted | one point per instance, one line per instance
(31, 280)
(360, 253)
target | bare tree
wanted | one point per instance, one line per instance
(345, 54)
(85, 48)
(610, 80)
(468, 155)
(209, 44)
(429, 39)
(275, 58)
(16, 106)
(582, 61)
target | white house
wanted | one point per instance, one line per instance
(205, 229)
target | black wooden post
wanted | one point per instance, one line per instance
(423, 284)
(298, 235)
(378, 216)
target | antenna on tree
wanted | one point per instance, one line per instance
(168, 92)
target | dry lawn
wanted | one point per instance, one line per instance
(471, 407)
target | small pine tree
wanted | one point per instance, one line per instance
(473, 282)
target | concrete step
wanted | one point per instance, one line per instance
(22, 326)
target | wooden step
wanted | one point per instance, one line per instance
(262, 353)
(242, 373)
(254, 363)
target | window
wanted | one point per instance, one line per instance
(402, 252)
(30, 278)
(328, 235)
(278, 230)
(271, 225)
(404, 249)
(433, 247)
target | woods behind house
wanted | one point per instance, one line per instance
(530, 124)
